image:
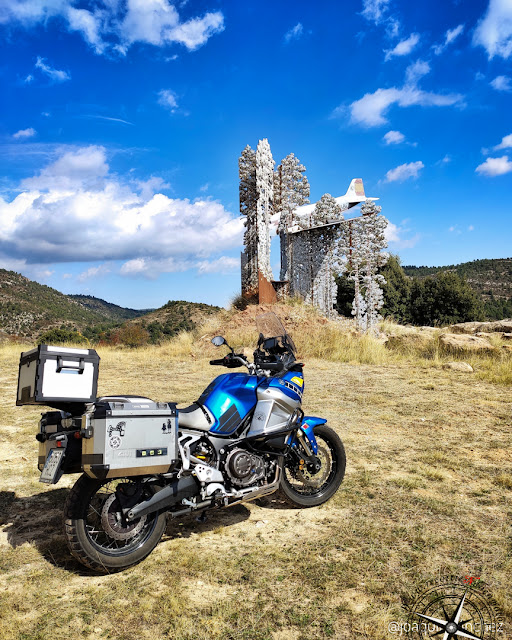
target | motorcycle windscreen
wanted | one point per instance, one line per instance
(271, 327)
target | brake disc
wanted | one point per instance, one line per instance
(112, 524)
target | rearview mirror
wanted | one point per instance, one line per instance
(218, 341)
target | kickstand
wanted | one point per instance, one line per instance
(202, 517)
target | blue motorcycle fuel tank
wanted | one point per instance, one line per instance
(230, 397)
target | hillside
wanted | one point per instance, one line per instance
(108, 310)
(492, 279)
(27, 308)
(175, 316)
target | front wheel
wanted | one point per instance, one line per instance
(97, 535)
(305, 487)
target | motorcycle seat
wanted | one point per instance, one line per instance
(195, 417)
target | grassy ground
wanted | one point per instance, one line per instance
(427, 492)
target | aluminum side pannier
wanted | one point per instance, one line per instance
(128, 436)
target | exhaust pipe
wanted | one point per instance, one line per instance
(167, 497)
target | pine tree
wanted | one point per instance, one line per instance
(360, 245)
(326, 210)
(374, 241)
(396, 290)
(248, 202)
(291, 190)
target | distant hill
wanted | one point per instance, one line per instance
(173, 317)
(489, 278)
(29, 309)
(108, 310)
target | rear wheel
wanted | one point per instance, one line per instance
(305, 486)
(95, 532)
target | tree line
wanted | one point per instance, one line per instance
(437, 300)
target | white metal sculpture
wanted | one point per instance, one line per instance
(291, 191)
(256, 171)
(265, 192)
(316, 241)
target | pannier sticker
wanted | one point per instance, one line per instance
(115, 434)
(298, 380)
(167, 426)
(115, 442)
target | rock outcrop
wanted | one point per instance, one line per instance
(503, 326)
(458, 366)
(456, 342)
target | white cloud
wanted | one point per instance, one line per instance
(374, 10)
(23, 134)
(395, 236)
(404, 172)
(495, 167)
(82, 168)
(168, 100)
(371, 109)
(204, 187)
(89, 25)
(471, 228)
(116, 26)
(76, 210)
(294, 33)
(392, 28)
(393, 137)
(449, 37)
(221, 265)
(151, 268)
(501, 83)
(506, 143)
(494, 31)
(416, 71)
(94, 272)
(53, 74)
(404, 47)
(29, 79)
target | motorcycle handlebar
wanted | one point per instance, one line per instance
(231, 361)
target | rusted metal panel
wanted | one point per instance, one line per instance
(267, 293)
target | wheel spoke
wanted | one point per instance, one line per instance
(104, 527)
(309, 484)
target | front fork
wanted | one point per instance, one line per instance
(303, 443)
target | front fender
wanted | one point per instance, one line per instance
(307, 426)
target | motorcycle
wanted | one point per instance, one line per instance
(245, 437)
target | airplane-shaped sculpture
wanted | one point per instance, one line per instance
(355, 195)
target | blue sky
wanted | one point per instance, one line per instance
(122, 122)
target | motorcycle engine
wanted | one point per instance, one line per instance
(244, 468)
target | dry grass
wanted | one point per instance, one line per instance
(427, 491)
